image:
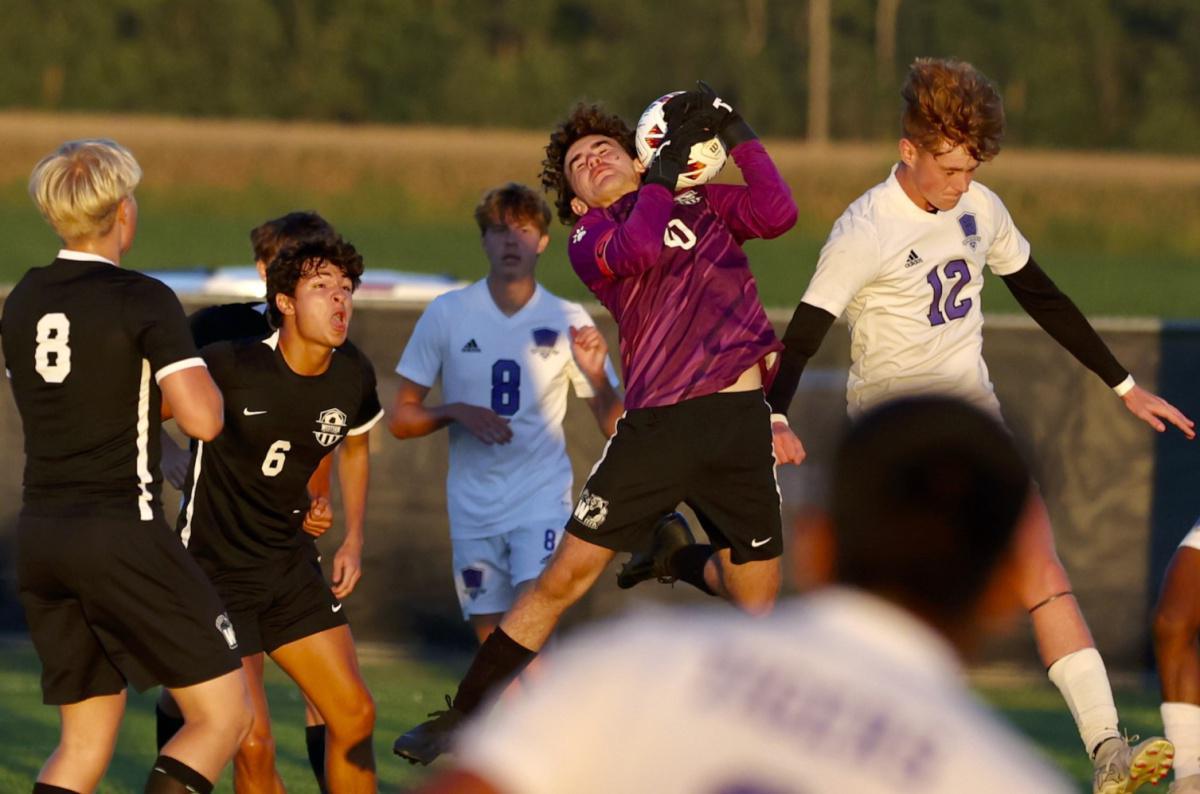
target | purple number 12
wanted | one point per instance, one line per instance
(955, 269)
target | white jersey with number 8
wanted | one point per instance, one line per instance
(520, 367)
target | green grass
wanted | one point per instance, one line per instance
(406, 688)
(210, 228)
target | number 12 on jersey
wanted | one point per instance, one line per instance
(506, 387)
(956, 270)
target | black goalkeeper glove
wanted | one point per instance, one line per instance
(671, 157)
(730, 127)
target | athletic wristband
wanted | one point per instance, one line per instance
(1124, 387)
(777, 418)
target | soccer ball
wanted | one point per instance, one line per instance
(705, 160)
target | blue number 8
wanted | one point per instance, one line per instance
(551, 536)
(506, 387)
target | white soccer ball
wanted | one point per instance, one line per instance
(705, 160)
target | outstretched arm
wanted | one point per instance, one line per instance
(801, 341)
(353, 474)
(1058, 315)
(590, 352)
(412, 418)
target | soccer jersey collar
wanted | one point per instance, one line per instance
(897, 195)
(83, 256)
(486, 297)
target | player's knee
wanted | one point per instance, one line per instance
(81, 752)
(355, 717)
(257, 748)
(1172, 625)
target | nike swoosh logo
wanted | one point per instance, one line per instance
(337, 607)
(756, 543)
(248, 412)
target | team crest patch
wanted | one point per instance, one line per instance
(225, 626)
(688, 198)
(591, 510)
(970, 230)
(331, 426)
(472, 580)
(544, 340)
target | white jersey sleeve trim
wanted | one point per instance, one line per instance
(171, 369)
(1124, 387)
(365, 426)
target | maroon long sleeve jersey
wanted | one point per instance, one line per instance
(671, 270)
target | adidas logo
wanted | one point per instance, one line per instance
(913, 259)
(471, 347)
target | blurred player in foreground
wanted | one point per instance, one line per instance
(858, 687)
(694, 344)
(905, 262)
(228, 322)
(507, 352)
(290, 399)
(96, 354)
(1176, 626)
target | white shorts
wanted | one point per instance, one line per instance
(487, 571)
(1192, 538)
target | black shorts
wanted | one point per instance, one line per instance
(111, 601)
(713, 453)
(279, 603)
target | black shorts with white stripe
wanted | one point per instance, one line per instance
(712, 453)
(110, 601)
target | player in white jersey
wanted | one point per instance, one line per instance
(905, 263)
(507, 351)
(1176, 626)
(858, 687)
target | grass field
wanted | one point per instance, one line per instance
(1113, 230)
(406, 688)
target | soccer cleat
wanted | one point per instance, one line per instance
(1122, 769)
(431, 738)
(1185, 785)
(671, 534)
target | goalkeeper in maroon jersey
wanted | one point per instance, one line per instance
(696, 348)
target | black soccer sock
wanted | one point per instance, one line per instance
(172, 776)
(688, 563)
(498, 660)
(46, 788)
(165, 726)
(314, 740)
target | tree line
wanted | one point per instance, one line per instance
(1075, 73)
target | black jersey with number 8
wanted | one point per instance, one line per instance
(86, 344)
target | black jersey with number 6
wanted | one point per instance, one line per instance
(85, 344)
(246, 492)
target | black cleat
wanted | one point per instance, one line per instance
(671, 534)
(427, 741)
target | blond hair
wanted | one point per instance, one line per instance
(78, 187)
(949, 103)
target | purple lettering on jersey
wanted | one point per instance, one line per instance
(672, 272)
(822, 715)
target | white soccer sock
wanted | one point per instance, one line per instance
(1181, 723)
(1083, 682)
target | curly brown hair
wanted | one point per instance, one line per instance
(584, 120)
(296, 262)
(949, 102)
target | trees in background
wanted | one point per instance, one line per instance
(1075, 73)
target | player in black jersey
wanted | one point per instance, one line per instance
(243, 321)
(96, 354)
(290, 399)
